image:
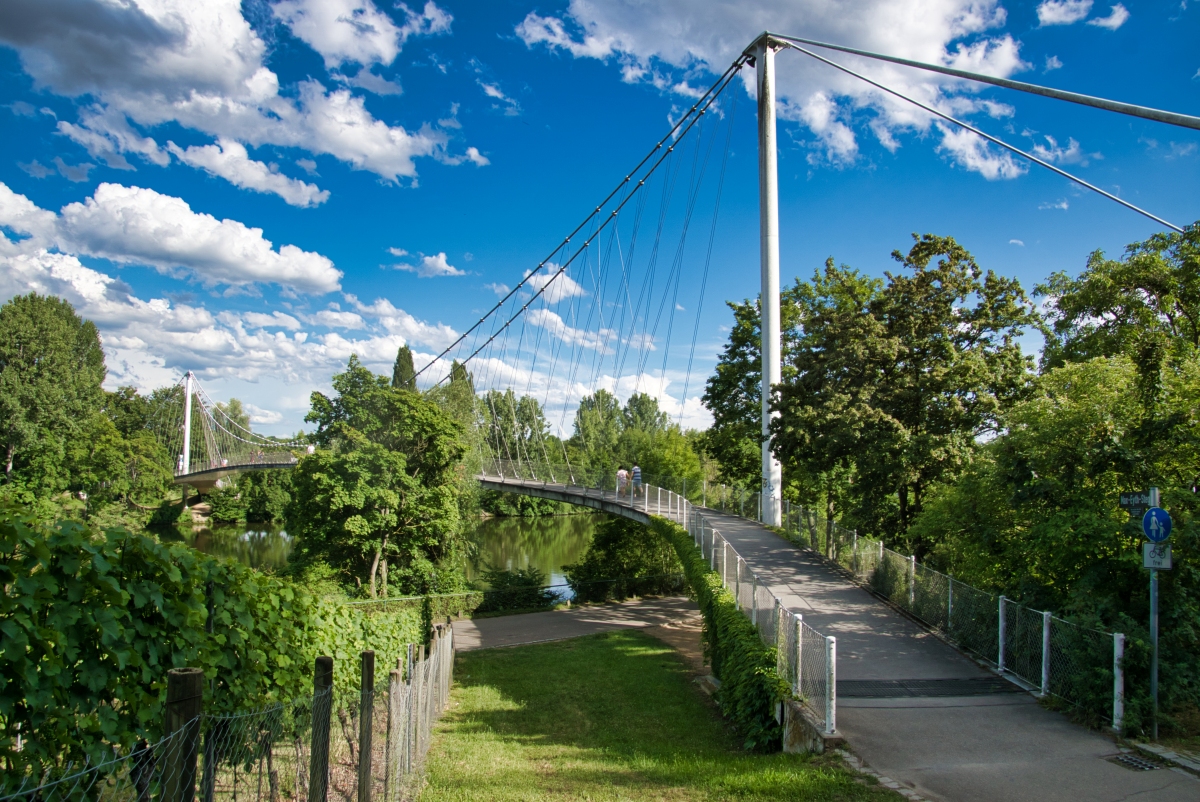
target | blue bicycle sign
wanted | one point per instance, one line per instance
(1156, 524)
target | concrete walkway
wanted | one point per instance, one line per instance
(514, 630)
(999, 748)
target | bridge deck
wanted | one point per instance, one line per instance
(1001, 747)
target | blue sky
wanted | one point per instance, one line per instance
(255, 190)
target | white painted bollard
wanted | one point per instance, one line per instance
(1045, 653)
(1000, 649)
(1118, 719)
(830, 684)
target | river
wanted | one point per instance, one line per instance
(546, 543)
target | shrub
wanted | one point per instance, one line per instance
(93, 620)
(751, 687)
(522, 589)
(625, 559)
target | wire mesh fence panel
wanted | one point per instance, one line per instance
(141, 774)
(262, 755)
(890, 578)
(974, 620)
(767, 616)
(814, 670)
(1081, 666)
(1023, 642)
(930, 596)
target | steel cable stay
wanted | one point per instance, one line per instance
(706, 99)
(967, 126)
(1130, 109)
(712, 234)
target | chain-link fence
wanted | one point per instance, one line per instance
(326, 748)
(1056, 657)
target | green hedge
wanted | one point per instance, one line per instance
(93, 620)
(751, 687)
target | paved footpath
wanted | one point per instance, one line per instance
(993, 748)
(514, 630)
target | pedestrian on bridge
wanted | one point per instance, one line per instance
(637, 479)
(622, 480)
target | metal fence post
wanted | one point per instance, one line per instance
(830, 684)
(912, 581)
(949, 601)
(1045, 653)
(799, 655)
(713, 551)
(1000, 647)
(704, 494)
(1118, 719)
(724, 562)
(185, 703)
(366, 715)
(318, 766)
(737, 582)
(854, 553)
(410, 727)
(754, 599)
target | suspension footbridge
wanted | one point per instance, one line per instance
(916, 670)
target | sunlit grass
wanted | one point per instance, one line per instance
(607, 717)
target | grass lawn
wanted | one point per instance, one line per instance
(605, 717)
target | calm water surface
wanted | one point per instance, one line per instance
(546, 543)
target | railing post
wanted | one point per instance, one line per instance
(724, 561)
(1045, 653)
(713, 551)
(411, 724)
(949, 601)
(754, 599)
(798, 688)
(912, 581)
(854, 554)
(1118, 719)
(1001, 631)
(366, 715)
(830, 684)
(318, 765)
(737, 583)
(185, 703)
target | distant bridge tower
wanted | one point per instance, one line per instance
(763, 50)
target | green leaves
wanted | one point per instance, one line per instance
(92, 621)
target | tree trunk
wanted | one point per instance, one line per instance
(12, 451)
(374, 569)
(383, 576)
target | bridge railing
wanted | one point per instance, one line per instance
(248, 459)
(807, 660)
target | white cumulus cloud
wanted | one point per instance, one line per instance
(1063, 12)
(142, 63)
(131, 225)
(556, 289)
(673, 44)
(229, 160)
(434, 266)
(1117, 17)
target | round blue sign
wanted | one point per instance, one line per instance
(1156, 524)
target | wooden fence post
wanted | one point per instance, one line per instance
(185, 703)
(318, 766)
(366, 721)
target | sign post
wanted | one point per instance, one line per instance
(1156, 525)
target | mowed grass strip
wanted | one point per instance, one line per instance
(606, 717)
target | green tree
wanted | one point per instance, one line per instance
(404, 375)
(894, 385)
(51, 369)
(381, 493)
(625, 559)
(594, 443)
(1145, 305)
(236, 413)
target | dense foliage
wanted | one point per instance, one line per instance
(59, 430)
(93, 620)
(379, 499)
(625, 559)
